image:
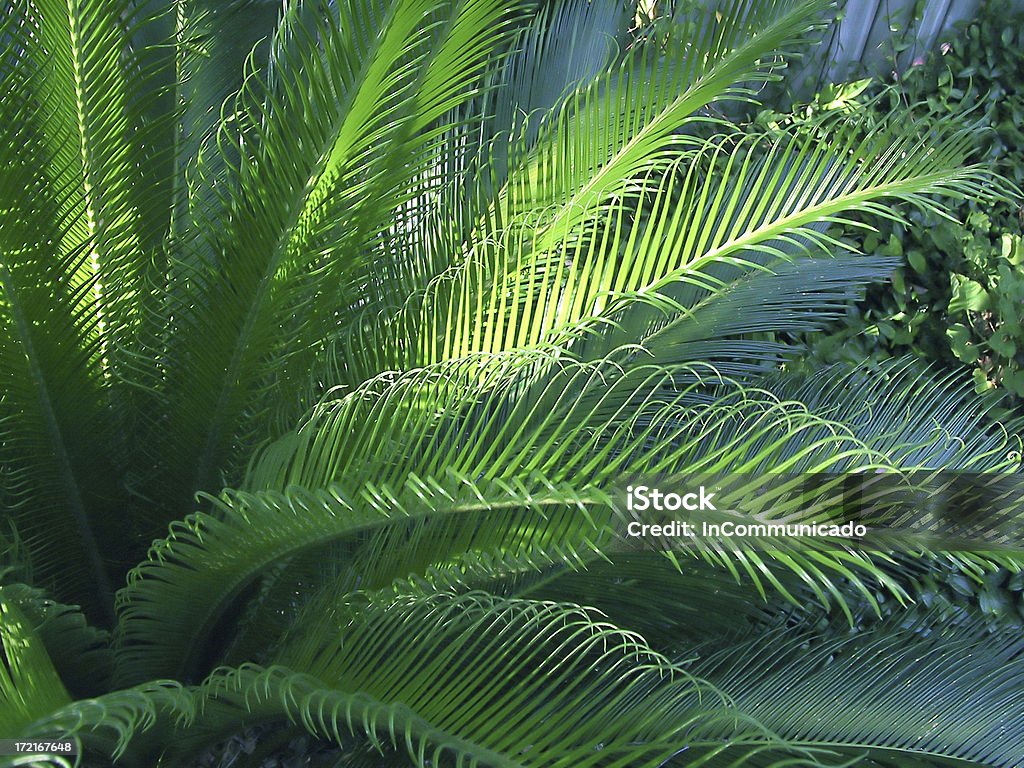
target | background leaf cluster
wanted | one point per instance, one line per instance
(956, 299)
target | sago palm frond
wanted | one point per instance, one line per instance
(30, 688)
(59, 486)
(317, 158)
(885, 695)
(536, 684)
(439, 462)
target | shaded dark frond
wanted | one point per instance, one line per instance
(106, 725)
(81, 654)
(903, 693)
(689, 324)
(222, 558)
(918, 418)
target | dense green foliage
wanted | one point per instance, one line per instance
(316, 403)
(956, 299)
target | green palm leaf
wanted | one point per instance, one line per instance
(363, 103)
(30, 688)
(923, 419)
(561, 288)
(906, 690)
(49, 360)
(688, 323)
(109, 723)
(476, 680)
(492, 473)
(80, 653)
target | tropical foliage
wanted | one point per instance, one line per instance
(368, 351)
(955, 298)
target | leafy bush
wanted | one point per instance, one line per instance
(956, 299)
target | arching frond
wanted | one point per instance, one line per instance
(430, 517)
(106, 725)
(536, 276)
(688, 324)
(475, 680)
(319, 151)
(80, 653)
(919, 418)
(439, 462)
(907, 692)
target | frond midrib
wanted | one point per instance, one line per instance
(187, 654)
(299, 214)
(66, 475)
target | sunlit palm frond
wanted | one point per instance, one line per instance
(435, 463)
(517, 289)
(30, 688)
(596, 145)
(99, 131)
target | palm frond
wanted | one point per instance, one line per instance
(918, 418)
(513, 290)
(30, 688)
(431, 517)
(319, 150)
(692, 324)
(478, 680)
(463, 458)
(526, 290)
(664, 601)
(107, 724)
(566, 46)
(81, 653)
(56, 446)
(903, 691)
(87, 83)
(539, 238)
(213, 42)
